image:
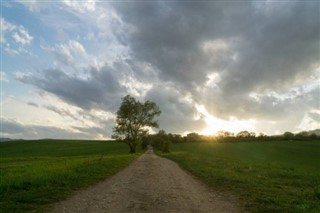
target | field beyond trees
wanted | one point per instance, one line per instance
(267, 177)
(37, 173)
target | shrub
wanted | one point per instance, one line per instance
(166, 146)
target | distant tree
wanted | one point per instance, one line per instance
(193, 137)
(252, 134)
(162, 134)
(262, 135)
(243, 134)
(132, 118)
(158, 139)
(224, 134)
(166, 146)
(302, 135)
(175, 138)
(144, 142)
(313, 136)
(288, 136)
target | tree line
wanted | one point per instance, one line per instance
(225, 136)
(134, 119)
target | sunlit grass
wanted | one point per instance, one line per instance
(37, 173)
(267, 177)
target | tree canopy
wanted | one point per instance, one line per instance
(132, 119)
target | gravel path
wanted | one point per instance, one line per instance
(149, 184)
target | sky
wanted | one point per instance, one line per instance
(208, 65)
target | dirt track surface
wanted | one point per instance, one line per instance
(149, 184)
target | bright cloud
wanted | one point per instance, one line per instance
(14, 38)
(67, 52)
(6, 27)
(22, 36)
(81, 6)
(19, 34)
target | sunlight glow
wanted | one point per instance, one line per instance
(232, 125)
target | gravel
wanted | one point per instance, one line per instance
(149, 184)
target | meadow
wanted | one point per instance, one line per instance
(35, 174)
(265, 176)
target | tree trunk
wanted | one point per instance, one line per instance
(132, 148)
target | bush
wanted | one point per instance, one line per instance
(166, 146)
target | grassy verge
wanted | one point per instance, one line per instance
(267, 177)
(34, 174)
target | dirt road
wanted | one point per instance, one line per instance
(150, 184)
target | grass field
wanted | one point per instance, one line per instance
(36, 173)
(267, 177)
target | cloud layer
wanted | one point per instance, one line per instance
(248, 61)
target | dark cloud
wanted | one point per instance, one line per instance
(178, 114)
(264, 47)
(100, 90)
(13, 129)
(61, 111)
(33, 104)
(169, 35)
(278, 46)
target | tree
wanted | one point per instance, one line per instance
(193, 137)
(166, 146)
(302, 135)
(224, 134)
(243, 134)
(132, 119)
(288, 136)
(313, 136)
(144, 142)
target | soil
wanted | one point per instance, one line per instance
(149, 184)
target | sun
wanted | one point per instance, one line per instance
(214, 124)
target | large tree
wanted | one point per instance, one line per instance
(132, 119)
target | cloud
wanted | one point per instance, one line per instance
(19, 34)
(14, 38)
(170, 36)
(22, 36)
(3, 77)
(315, 116)
(54, 113)
(178, 113)
(67, 52)
(102, 130)
(32, 5)
(5, 28)
(248, 49)
(61, 111)
(81, 6)
(14, 129)
(33, 104)
(101, 90)
(247, 61)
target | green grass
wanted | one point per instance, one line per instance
(35, 174)
(267, 177)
